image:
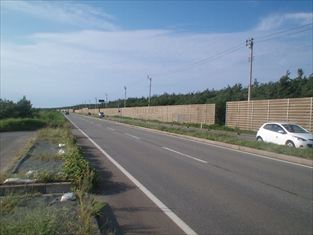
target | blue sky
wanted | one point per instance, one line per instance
(64, 52)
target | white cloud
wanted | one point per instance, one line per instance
(276, 21)
(71, 13)
(72, 67)
(68, 68)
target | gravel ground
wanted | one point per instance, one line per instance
(43, 157)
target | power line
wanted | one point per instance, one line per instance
(234, 49)
(203, 60)
(284, 31)
(282, 35)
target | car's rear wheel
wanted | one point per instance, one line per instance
(290, 144)
(259, 138)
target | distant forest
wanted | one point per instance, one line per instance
(285, 87)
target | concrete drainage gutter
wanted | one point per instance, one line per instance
(43, 188)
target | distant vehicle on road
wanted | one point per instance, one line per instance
(291, 135)
(101, 115)
(67, 113)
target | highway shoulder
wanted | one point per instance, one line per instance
(134, 212)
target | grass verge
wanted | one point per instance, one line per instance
(55, 220)
(29, 214)
(41, 119)
(21, 124)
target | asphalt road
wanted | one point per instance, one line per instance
(214, 190)
(11, 144)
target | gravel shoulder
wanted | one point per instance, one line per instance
(11, 145)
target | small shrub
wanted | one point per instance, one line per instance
(8, 204)
(52, 118)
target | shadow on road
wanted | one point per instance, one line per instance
(109, 185)
(105, 184)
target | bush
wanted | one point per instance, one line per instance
(75, 165)
(19, 124)
(52, 118)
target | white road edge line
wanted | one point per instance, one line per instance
(133, 136)
(185, 155)
(240, 151)
(110, 128)
(179, 222)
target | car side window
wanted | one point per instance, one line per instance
(277, 128)
(268, 127)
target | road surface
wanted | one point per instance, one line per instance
(11, 144)
(213, 190)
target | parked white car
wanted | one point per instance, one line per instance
(288, 134)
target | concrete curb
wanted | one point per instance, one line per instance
(20, 161)
(43, 188)
(256, 152)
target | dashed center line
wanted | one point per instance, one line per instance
(185, 155)
(111, 129)
(133, 136)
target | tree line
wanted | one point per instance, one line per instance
(285, 87)
(20, 109)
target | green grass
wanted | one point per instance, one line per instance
(225, 137)
(21, 124)
(41, 119)
(21, 217)
(52, 118)
(8, 204)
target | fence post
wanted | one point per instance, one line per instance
(206, 114)
(189, 113)
(252, 112)
(238, 110)
(311, 113)
(268, 110)
(288, 109)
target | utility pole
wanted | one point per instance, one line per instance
(149, 78)
(249, 44)
(125, 88)
(106, 100)
(96, 103)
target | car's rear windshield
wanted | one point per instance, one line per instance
(294, 128)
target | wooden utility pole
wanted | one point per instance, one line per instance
(249, 44)
(125, 88)
(149, 78)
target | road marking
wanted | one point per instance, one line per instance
(179, 222)
(185, 155)
(247, 153)
(133, 136)
(111, 129)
